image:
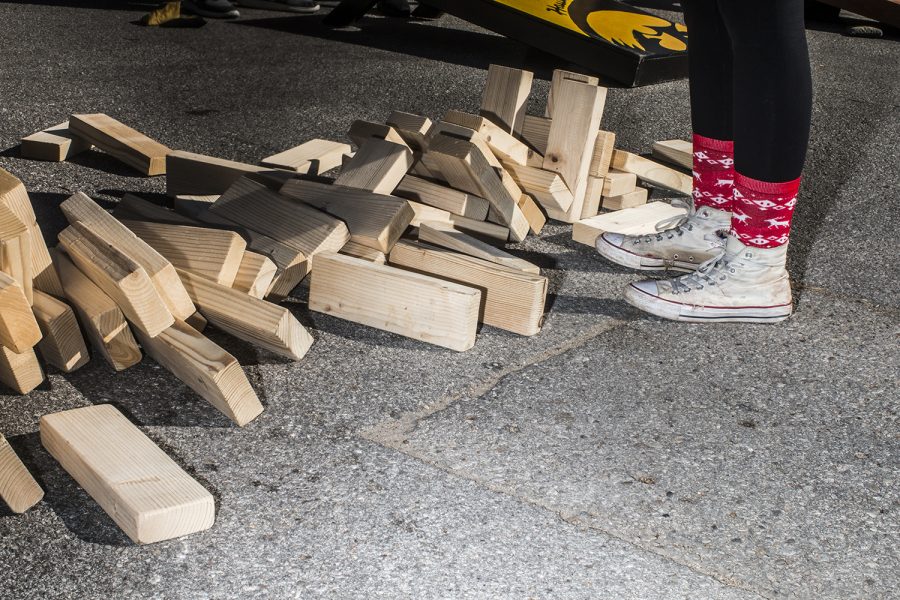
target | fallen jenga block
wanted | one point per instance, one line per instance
(628, 200)
(250, 319)
(197, 174)
(484, 229)
(546, 187)
(103, 321)
(312, 157)
(640, 220)
(600, 161)
(374, 220)
(15, 261)
(361, 131)
(617, 183)
(198, 322)
(18, 489)
(505, 96)
(402, 302)
(62, 344)
(44, 276)
(255, 275)
(20, 371)
(535, 133)
(55, 144)
(511, 300)
(412, 128)
(678, 152)
(502, 143)
(653, 172)
(594, 194)
(378, 166)
(352, 248)
(445, 128)
(558, 76)
(144, 491)
(532, 213)
(446, 236)
(441, 196)
(19, 330)
(121, 141)
(214, 374)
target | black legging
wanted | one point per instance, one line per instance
(750, 82)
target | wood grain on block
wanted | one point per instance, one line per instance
(653, 172)
(447, 236)
(213, 253)
(617, 183)
(55, 144)
(312, 157)
(197, 174)
(535, 133)
(593, 197)
(121, 141)
(80, 208)
(255, 275)
(532, 213)
(62, 344)
(352, 248)
(677, 152)
(395, 300)
(144, 491)
(15, 261)
(505, 96)
(13, 197)
(19, 330)
(374, 220)
(20, 371)
(444, 128)
(378, 166)
(18, 489)
(546, 187)
(190, 204)
(44, 276)
(510, 299)
(640, 220)
(441, 196)
(506, 147)
(202, 365)
(558, 76)
(412, 128)
(198, 322)
(360, 131)
(102, 321)
(483, 229)
(628, 200)
(603, 152)
(250, 319)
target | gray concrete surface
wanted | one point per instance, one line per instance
(611, 456)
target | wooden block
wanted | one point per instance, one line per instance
(19, 330)
(546, 187)
(444, 128)
(124, 143)
(507, 148)
(55, 144)
(20, 371)
(653, 172)
(62, 344)
(593, 197)
(198, 322)
(144, 491)
(412, 128)
(629, 200)
(405, 303)
(80, 208)
(535, 133)
(189, 204)
(441, 196)
(360, 131)
(352, 248)
(196, 174)
(617, 183)
(630, 221)
(15, 261)
(43, 273)
(447, 236)
(12, 222)
(250, 319)
(558, 76)
(677, 152)
(374, 220)
(423, 212)
(213, 253)
(103, 321)
(18, 489)
(255, 275)
(532, 213)
(602, 156)
(505, 96)
(214, 374)
(312, 157)
(378, 166)
(510, 299)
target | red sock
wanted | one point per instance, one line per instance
(713, 173)
(762, 211)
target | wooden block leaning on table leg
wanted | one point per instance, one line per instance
(617, 183)
(18, 489)
(395, 300)
(144, 491)
(250, 319)
(506, 147)
(378, 166)
(312, 157)
(440, 196)
(124, 143)
(360, 131)
(54, 144)
(62, 344)
(511, 300)
(481, 229)
(19, 330)
(197, 174)
(546, 187)
(678, 152)
(255, 275)
(640, 220)
(446, 236)
(412, 128)
(653, 172)
(505, 96)
(629, 200)
(20, 371)
(560, 75)
(352, 248)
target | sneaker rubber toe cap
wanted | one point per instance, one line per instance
(648, 287)
(613, 239)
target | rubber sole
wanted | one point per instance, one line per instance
(631, 260)
(676, 311)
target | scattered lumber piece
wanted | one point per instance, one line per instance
(447, 236)
(677, 152)
(532, 213)
(144, 491)
(214, 374)
(374, 220)
(15, 261)
(558, 76)
(121, 141)
(255, 275)
(250, 319)
(653, 172)
(19, 330)
(617, 183)
(103, 321)
(502, 143)
(412, 128)
(20, 371)
(378, 166)
(44, 276)
(360, 131)
(12, 222)
(505, 96)
(628, 200)
(55, 144)
(441, 196)
(601, 159)
(492, 231)
(546, 187)
(62, 344)
(535, 133)
(188, 173)
(352, 248)
(402, 302)
(18, 489)
(445, 128)
(630, 221)
(510, 299)
(313, 157)
(594, 195)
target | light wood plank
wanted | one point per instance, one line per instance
(352, 248)
(19, 330)
(255, 275)
(558, 76)
(412, 128)
(447, 236)
(602, 156)
(445, 128)
(653, 172)
(18, 489)
(198, 322)
(378, 166)
(677, 152)
(594, 194)
(505, 96)
(533, 213)
(312, 157)
(628, 200)
(441, 196)
(506, 147)
(483, 229)
(617, 183)
(547, 187)
(54, 144)
(535, 133)
(121, 141)
(20, 371)
(360, 131)
(15, 261)
(62, 344)
(640, 220)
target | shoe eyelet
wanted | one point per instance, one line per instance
(691, 258)
(731, 270)
(675, 256)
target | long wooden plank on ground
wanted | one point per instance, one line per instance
(378, 166)
(255, 274)
(19, 330)
(628, 200)
(198, 174)
(546, 187)
(250, 319)
(213, 253)
(482, 229)
(640, 220)
(444, 197)
(505, 96)
(558, 76)
(618, 182)
(412, 128)
(447, 236)
(653, 172)
(18, 489)
(103, 321)
(62, 344)
(55, 144)
(144, 491)
(312, 157)
(352, 248)
(121, 141)
(374, 220)
(79, 207)
(510, 299)
(202, 365)
(506, 147)
(360, 131)
(402, 302)
(20, 371)
(678, 152)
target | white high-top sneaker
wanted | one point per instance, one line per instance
(742, 284)
(682, 243)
